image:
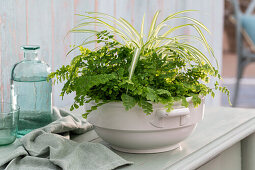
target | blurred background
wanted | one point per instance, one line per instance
(46, 23)
(246, 94)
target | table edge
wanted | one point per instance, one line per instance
(215, 147)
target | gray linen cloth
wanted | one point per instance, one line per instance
(48, 148)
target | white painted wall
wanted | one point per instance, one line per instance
(46, 22)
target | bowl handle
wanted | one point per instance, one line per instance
(160, 116)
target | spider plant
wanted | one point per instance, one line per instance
(161, 36)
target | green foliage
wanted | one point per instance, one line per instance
(137, 72)
(128, 101)
(159, 36)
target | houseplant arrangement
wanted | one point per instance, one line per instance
(131, 75)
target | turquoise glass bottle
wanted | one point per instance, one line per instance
(31, 91)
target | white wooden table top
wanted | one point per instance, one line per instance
(221, 128)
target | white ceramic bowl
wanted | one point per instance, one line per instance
(135, 132)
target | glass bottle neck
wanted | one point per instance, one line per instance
(30, 55)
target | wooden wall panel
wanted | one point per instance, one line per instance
(20, 28)
(80, 7)
(8, 48)
(62, 21)
(39, 22)
(46, 23)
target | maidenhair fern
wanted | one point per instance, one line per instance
(139, 69)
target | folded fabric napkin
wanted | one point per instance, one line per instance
(49, 148)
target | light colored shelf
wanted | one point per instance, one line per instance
(221, 128)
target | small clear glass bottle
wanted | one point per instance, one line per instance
(31, 91)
